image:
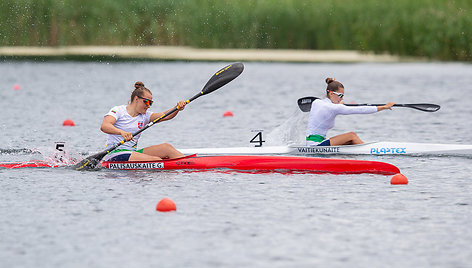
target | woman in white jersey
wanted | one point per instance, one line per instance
(121, 121)
(324, 111)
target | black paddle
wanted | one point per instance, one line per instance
(305, 105)
(219, 79)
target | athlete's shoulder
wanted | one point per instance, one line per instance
(325, 102)
(115, 111)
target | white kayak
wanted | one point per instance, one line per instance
(372, 148)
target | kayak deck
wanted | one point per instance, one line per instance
(261, 163)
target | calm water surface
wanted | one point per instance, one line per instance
(64, 218)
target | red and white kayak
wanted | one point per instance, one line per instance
(261, 163)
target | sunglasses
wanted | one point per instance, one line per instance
(148, 102)
(339, 94)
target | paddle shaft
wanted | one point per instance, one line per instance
(305, 105)
(382, 104)
(425, 107)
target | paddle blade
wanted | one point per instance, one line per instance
(305, 103)
(425, 107)
(91, 162)
(223, 77)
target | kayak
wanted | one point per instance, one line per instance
(264, 163)
(372, 148)
(260, 163)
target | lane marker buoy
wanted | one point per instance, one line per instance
(68, 122)
(398, 179)
(228, 113)
(166, 205)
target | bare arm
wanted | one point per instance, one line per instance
(180, 104)
(386, 106)
(108, 127)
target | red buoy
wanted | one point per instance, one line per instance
(228, 113)
(166, 205)
(16, 87)
(398, 179)
(68, 122)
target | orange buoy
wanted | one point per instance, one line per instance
(68, 122)
(166, 205)
(399, 179)
(228, 113)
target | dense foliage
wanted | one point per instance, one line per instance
(438, 29)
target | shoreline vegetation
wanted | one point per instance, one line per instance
(168, 53)
(404, 29)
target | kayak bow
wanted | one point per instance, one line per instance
(28, 164)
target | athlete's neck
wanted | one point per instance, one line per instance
(131, 110)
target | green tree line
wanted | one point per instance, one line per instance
(437, 29)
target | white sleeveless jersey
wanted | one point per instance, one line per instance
(130, 124)
(323, 113)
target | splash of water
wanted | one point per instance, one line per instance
(290, 132)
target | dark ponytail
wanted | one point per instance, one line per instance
(139, 89)
(333, 85)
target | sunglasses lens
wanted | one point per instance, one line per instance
(146, 101)
(338, 94)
